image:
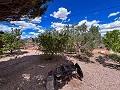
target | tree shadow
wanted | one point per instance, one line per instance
(112, 66)
(83, 58)
(12, 72)
(18, 52)
(102, 60)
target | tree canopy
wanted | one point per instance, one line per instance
(70, 39)
(53, 42)
(11, 41)
(82, 36)
(15, 9)
(1, 43)
(112, 40)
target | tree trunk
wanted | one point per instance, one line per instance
(1, 52)
(78, 48)
(11, 51)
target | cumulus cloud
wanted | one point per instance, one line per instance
(109, 27)
(103, 27)
(89, 23)
(26, 36)
(113, 14)
(26, 25)
(6, 28)
(115, 24)
(33, 33)
(57, 26)
(36, 20)
(41, 31)
(62, 13)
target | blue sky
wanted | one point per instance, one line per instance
(63, 12)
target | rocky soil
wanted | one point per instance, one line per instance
(28, 72)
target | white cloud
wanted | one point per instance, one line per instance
(27, 36)
(33, 33)
(41, 31)
(6, 28)
(115, 24)
(103, 27)
(109, 27)
(118, 18)
(62, 13)
(57, 26)
(113, 14)
(36, 20)
(89, 23)
(26, 25)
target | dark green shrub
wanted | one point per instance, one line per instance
(52, 42)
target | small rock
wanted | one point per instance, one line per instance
(26, 77)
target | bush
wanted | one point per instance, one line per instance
(112, 40)
(52, 42)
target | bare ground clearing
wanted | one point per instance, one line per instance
(28, 72)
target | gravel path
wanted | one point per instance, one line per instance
(28, 72)
(96, 77)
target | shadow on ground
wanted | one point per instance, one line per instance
(19, 52)
(28, 72)
(108, 64)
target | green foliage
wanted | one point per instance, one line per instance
(1, 43)
(112, 40)
(16, 9)
(80, 36)
(17, 33)
(53, 42)
(92, 38)
(70, 39)
(11, 41)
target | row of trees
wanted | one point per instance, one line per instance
(78, 38)
(10, 41)
(70, 39)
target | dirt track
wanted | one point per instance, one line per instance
(28, 72)
(96, 77)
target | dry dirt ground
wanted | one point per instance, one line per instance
(28, 72)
